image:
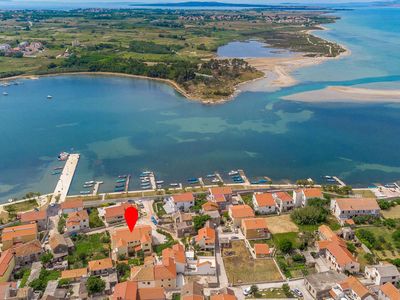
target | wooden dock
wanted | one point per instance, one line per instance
(341, 183)
(128, 179)
(64, 182)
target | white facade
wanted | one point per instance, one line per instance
(264, 210)
(381, 274)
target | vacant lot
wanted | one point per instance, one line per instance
(392, 213)
(242, 268)
(281, 224)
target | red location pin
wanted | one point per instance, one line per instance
(131, 217)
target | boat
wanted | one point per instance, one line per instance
(193, 179)
(58, 168)
(119, 189)
(63, 156)
(56, 173)
(327, 177)
(84, 192)
(145, 187)
(89, 182)
(160, 181)
(87, 185)
(210, 175)
(215, 180)
(262, 181)
(146, 173)
(5, 94)
(231, 173)
(49, 97)
(120, 180)
(120, 185)
(237, 177)
(254, 182)
(10, 200)
(238, 180)
(174, 184)
(331, 180)
(122, 176)
(145, 183)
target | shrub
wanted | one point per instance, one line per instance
(309, 215)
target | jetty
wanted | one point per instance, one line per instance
(128, 178)
(340, 182)
(64, 182)
(96, 187)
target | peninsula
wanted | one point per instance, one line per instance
(176, 46)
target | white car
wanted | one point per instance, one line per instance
(247, 291)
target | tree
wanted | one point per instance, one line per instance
(95, 285)
(61, 225)
(200, 221)
(309, 215)
(285, 246)
(253, 289)
(286, 290)
(122, 269)
(351, 247)
(46, 258)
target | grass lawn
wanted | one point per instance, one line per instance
(45, 276)
(89, 247)
(271, 293)
(281, 224)
(159, 209)
(25, 277)
(21, 206)
(242, 268)
(392, 213)
(291, 236)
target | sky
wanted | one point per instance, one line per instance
(171, 1)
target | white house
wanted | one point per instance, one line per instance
(204, 265)
(301, 196)
(77, 221)
(264, 203)
(351, 288)
(383, 273)
(347, 208)
(284, 202)
(182, 202)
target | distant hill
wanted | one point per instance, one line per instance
(203, 4)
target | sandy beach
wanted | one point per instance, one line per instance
(347, 94)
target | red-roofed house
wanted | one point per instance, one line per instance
(284, 202)
(115, 213)
(223, 297)
(206, 238)
(7, 264)
(182, 202)
(18, 234)
(129, 290)
(77, 221)
(27, 253)
(261, 250)
(38, 217)
(162, 275)
(264, 203)
(388, 292)
(347, 208)
(126, 243)
(101, 266)
(71, 206)
(335, 251)
(220, 196)
(177, 253)
(301, 196)
(239, 212)
(351, 288)
(255, 229)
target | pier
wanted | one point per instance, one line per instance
(128, 179)
(64, 182)
(96, 187)
(219, 177)
(244, 177)
(152, 179)
(341, 183)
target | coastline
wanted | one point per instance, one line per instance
(279, 68)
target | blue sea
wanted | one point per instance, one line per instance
(122, 125)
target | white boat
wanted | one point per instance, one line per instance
(5, 94)
(174, 184)
(231, 173)
(49, 97)
(215, 180)
(160, 181)
(89, 182)
(63, 156)
(10, 200)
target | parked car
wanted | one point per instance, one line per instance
(247, 291)
(297, 292)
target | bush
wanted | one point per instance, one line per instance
(299, 258)
(367, 238)
(200, 221)
(285, 246)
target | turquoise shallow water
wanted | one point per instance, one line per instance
(121, 125)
